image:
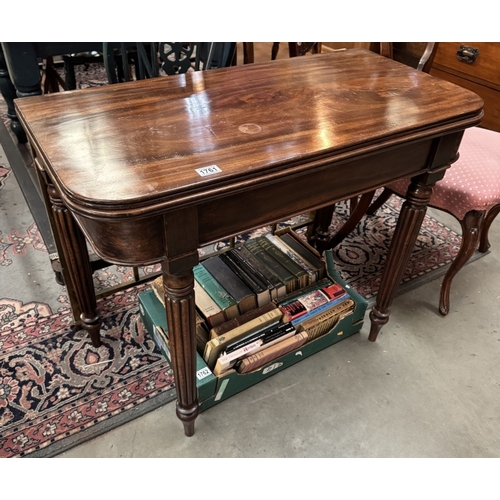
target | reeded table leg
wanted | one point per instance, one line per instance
(180, 308)
(407, 229)
(77, 260)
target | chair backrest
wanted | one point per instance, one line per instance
(152, 59)
(419, 55)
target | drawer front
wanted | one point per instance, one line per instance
(491, 98)
(484, 61)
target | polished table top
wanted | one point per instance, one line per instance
(151, 170)
(145, 140)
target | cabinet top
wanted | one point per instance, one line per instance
(190, 135)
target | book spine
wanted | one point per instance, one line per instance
(311, 301)
(226, 361)
(295, 295)
(299, 273)
(322, 323)
(220, 296)
(209, 309)
(314, 261)
(244, 318)
(281, 272)
(260, 282)
(320, 309)
(240, 292)
(259, 359)
(279, 243)
(267, 334)
(277, 288)
(215, 346)
(157, 287)
(261, 292)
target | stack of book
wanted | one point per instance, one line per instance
(260, 300)
(252, 275)
(247, 343)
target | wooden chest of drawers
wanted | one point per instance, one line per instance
(475, 66)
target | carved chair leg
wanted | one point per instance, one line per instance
(471, 230)
(484, 243)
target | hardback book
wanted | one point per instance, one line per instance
(261, 358)
(228, 359)
(322, 323)
(266, 335)
(260, 290)
(216, 346)
(311, 300)
(241, 293)
(280, 271)
(201, 328)
(157, 287)
(298, 271)
(290, 297)
(278, 242)
(218, 293)
(209, 309)
(320, 309)
(244, 318)
(276, 287)
(313, 260)
(161, 340)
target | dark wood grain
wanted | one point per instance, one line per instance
(289, 136)
(143, 140)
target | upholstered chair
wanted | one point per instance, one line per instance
(470, 191)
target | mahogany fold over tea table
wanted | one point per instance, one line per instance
(149, 171)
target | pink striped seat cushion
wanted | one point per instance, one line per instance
(473, 181)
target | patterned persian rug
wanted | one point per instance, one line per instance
(57, 391)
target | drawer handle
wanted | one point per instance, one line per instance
(467, 54)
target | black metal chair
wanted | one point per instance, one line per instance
(153, 59)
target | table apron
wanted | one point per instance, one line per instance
(145, 239)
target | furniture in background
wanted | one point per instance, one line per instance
(248, 146)
(474, 66)
(470, 191)
(22, 64)
(23, 75)
(318, 233)
(294, 49)
(152, 59)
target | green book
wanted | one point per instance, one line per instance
(281, 245)
(298, 271)
(240, 292)
(314, 261)
(276, 287)
(218, 293)
(281, 272)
